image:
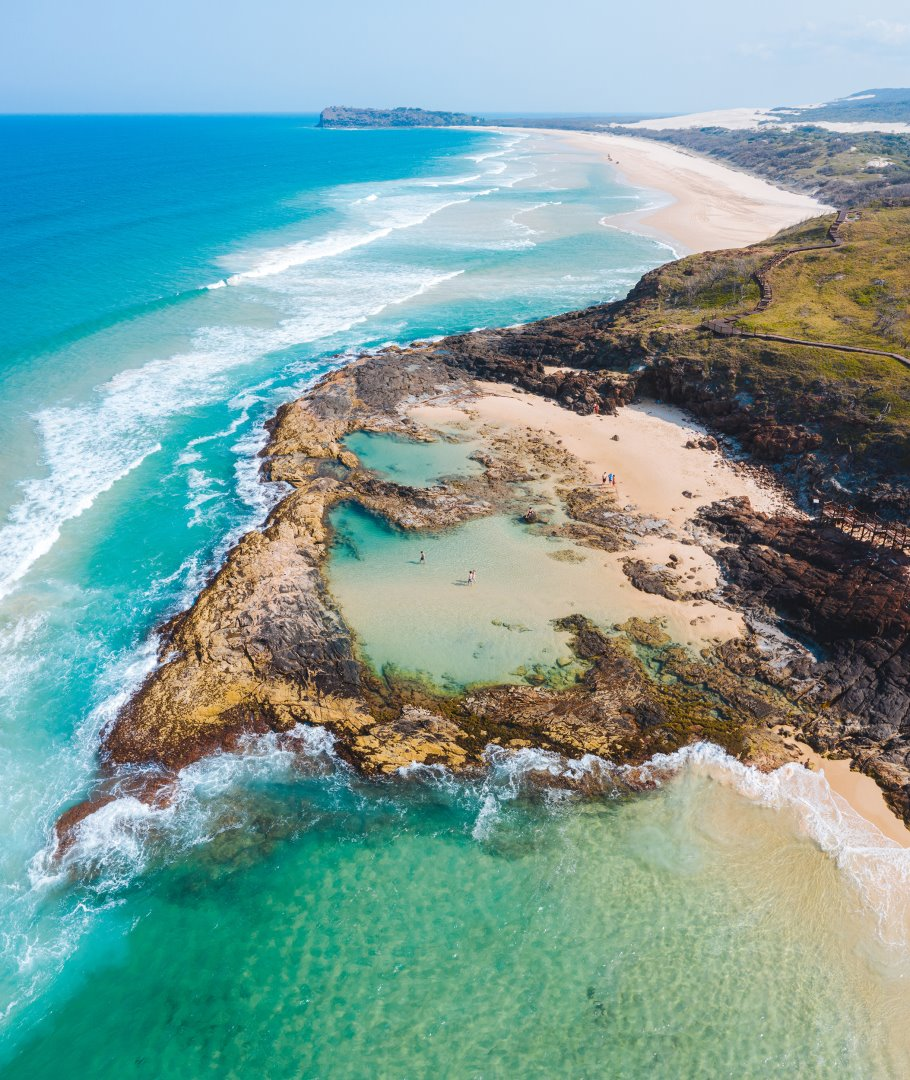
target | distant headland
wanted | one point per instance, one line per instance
(343, 116)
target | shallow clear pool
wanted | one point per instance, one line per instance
(410, 462)
(426, 616)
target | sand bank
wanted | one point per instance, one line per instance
(860, 792)
(710, 206)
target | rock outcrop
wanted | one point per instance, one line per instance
(848, 600)
(264, 647)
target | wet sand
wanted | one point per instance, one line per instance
(861, 793)
(654, 469)
(711, 206)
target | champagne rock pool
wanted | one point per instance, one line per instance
(168, 282)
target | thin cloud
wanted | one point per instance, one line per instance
(759, 49)
(885, 32)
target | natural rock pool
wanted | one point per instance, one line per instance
(412, 463)
(425, 616)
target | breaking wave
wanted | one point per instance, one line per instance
(89, 448)
(876, 866)
(119, 840)
(259, 307)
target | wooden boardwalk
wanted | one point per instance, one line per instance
(889, 548)
(724, 328)
(892, 536)
(833, 239)
(727, 326)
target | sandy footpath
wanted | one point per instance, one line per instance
(711, 206)
(645, 445)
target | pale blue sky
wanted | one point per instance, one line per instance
(478, 55)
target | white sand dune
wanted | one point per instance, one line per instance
(751, 119)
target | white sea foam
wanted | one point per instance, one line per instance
(18, 659)
(35, 523)
(502, 148)
(33, 943)
(522, 226)
(399, 212)
(606, 223)
(449, 182)
(279, 260)
(89, 448)
(478, 158)
(258, 494)
(116, 842)
(875, 865)
(189, 454)
(203, 489)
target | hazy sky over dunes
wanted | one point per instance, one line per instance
(478, 55)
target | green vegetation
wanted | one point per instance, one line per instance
(841, 169)
(856, 294)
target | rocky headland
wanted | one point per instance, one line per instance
(823, 654)
(345, 116)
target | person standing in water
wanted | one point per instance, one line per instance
(423, 558)
(472, 574)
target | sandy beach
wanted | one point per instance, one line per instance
(860, 792)
(699, 205)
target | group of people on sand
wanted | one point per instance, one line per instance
(472, 574)
(609, 478)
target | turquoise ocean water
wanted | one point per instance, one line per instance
(165, 284)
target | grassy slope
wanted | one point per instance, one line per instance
(854, 294)
(860, 405)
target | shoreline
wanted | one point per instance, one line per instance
(318, 680)
(859, 792)
(286, 653)
(713, 207)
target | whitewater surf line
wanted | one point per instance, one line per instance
(83, 455)
(114, 844)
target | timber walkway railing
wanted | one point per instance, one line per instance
(833, 239)
(888, 535)
(890, 539)
(724, 328)
(727, 327)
